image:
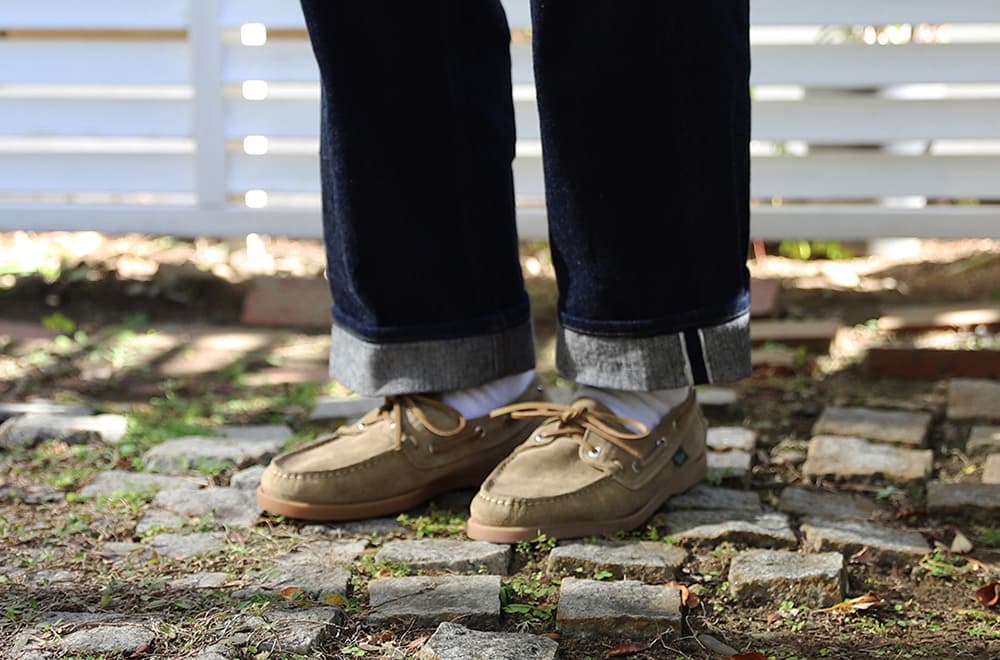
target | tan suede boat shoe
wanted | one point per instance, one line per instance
(399, 455)
(586, 472)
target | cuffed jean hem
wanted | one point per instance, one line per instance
(696, 356)
(436, 365)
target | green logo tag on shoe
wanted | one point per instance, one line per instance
(680, 456)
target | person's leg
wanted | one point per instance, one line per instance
(644, 109)
(418, 208)
(418, 204)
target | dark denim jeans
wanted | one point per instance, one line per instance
(645, 119)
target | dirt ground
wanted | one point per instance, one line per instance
(98, 303)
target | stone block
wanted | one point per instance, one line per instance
(122, 481)
(429, 600)
(854, 457)
(228, 506)
(963, 498)
(646, 561)
(725, 438)
(617, 609)
(826, 504)
(452, 641)
(448, 555)
(899, 427)
(850, 536)
(973, 398)
(769, 530)
(182, 455)
(704, 497)
(991, 469)
(983, 440)
(29, 430)
(770, 577)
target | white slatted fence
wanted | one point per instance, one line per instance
(122, 116)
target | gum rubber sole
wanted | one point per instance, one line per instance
(577, 529)
(362, 510)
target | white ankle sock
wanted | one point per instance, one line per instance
(647, 407)
(475, 402)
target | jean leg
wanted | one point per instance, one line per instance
(417, 140)
(645, 118)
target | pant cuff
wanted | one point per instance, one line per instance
(697, 356)
(383, 369)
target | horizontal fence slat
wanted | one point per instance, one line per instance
(93, 15)
(842, 65)
(767, 223)
(866, 12)
(827, 176)
(59, 173)
(93, 61)
(873, 120)
(95, 117)
(287, 14)
(859, 65)
(829, 120)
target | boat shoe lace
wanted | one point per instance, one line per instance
(391, 412)
(575, 421)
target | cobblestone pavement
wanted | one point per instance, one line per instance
(175, 559)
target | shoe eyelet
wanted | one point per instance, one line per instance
(361, 426)
(594, 452)
(480, 431)
(636, 467)
(392, 425)
(661, 441)
(539, 438)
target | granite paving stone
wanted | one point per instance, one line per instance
(703, 496)
(117, 551)
(850, 536)
(159, 520)
(725, 438)
(328, 407)
(29, 430)
(826, 504)
(770, 530)
(428, 600)
(12, 409)
(373, 527)
(248, 479)
(201, 580)
(318, 568)
(647, 561)
(983, 440)
(991, 469)
(117, 638)
(625, 608)
(717, 396)
(214, 652)
(255, 432)
(452, 641)
(853, 457)
(76, 633)
(181, 455)
(726, 465)
(773, 576)
(186, 546)
(448, 555)
(114, 481)
(294, 631)
(965, 497)
(899, 427)
(973, 398)
(228, 506)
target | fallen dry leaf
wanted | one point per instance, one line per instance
(863, 556)
(335, 599)
(961, 544)
(290, 592)
(747, 656)
(552, 635)
(865, 602)
(418, 643)
(989, 595)
(773, 616)
(688, 599)
(624, 650)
